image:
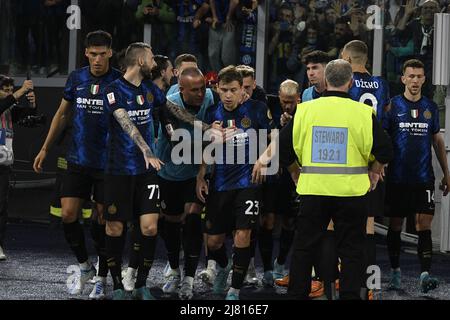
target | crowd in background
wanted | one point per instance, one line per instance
(35, 38)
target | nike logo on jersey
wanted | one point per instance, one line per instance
(401, 114)
(129, 102)
(80, 88)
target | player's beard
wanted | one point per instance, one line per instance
(414, 91)
(146, 72)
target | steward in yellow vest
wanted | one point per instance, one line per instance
(332, 138)
(342, 150)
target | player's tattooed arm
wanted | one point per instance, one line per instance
(128, 126)
(185, 116)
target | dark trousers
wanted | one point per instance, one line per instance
(349, 215)
(4, 191)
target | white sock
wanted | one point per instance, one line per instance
(131, 272)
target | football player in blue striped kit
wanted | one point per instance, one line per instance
(131, 181)
(86, 156)
(413, 125)
(232, 202)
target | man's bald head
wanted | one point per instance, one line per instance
(192, 86)
(190, 73)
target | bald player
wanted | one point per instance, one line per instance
(183, 61)
(179, 202)
(279, 198)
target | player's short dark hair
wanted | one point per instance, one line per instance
(185, 57)
(98, 38)
(246, 71)
(413, 63)
(6, 81)
(357, 49)
(316, 56)
(230, 74)
(134, 51)
(162, 62)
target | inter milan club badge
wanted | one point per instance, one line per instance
(414, 113)
(231, 123)
(140, 99)
(246, 123)
(95, 88)
(150, 97)
(427, 114)
(112, 209)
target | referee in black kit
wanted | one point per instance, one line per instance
(333, 139)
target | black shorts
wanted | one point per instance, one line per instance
(55, 205)
(129, 197)
(279, 199)
(82, 182)
(406, 199)
(175, 194)
(376, 200)
(56, 198)
(232, 210)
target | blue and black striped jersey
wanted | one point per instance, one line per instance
(370, 90)
(87, 141)
(235, 171)
(123, 156)
(411, 126)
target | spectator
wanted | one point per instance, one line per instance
(342, 35)
(280, 47)
(420, 31)
(310, 43)
(330, 21)
(188, 33)
(247, 17)
(129, 30)
(222, 37)
(162, 18)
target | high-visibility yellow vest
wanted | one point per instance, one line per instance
(332, 138)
